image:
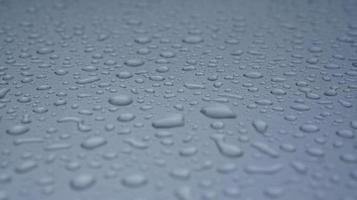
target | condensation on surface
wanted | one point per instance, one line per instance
(178, 100)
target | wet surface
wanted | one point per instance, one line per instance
(178, 100)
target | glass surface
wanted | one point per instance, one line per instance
(178, 100)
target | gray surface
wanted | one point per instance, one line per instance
(140, 100)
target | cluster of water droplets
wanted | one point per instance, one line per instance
(178, 100)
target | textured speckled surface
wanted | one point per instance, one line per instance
(178, 100)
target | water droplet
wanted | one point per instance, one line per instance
(120, 100)
(218, 111)
(82, 182)
(93, 142)
(170, 121)
(17, 130)
(134, 181)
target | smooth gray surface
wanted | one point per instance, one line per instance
(181, 100)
